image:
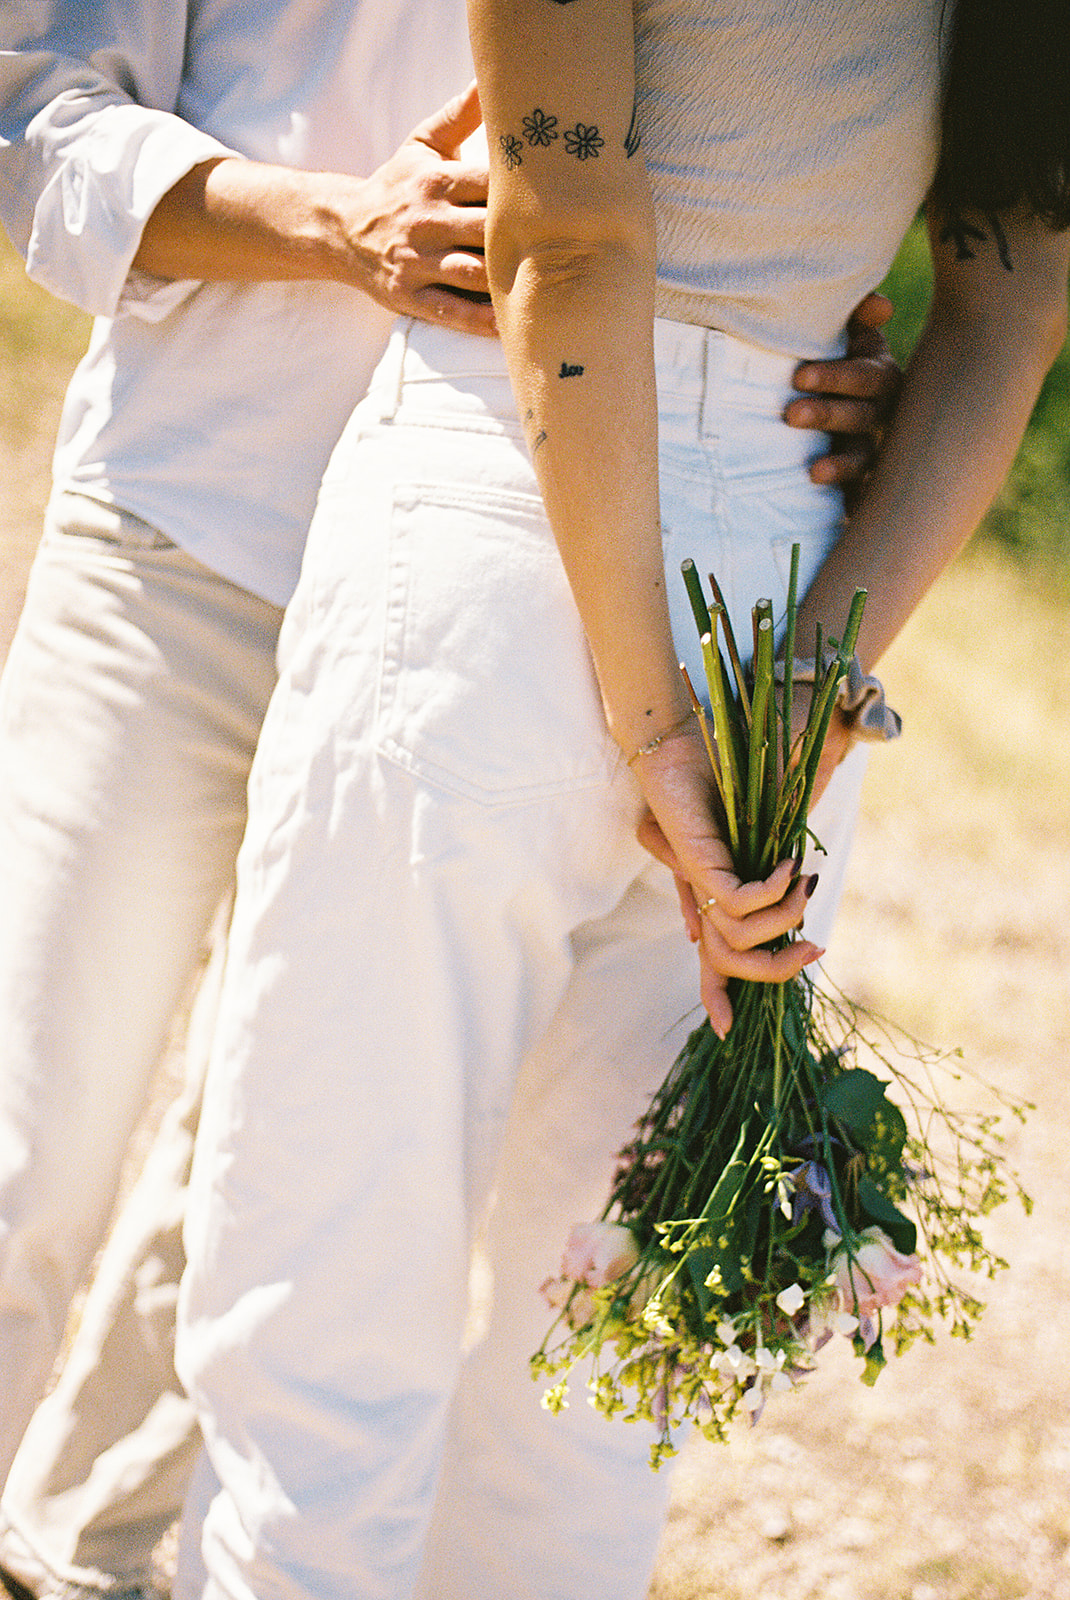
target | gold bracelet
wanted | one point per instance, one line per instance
(648, 749)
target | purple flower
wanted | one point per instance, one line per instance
(813, 1192)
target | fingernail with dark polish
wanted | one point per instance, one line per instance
(812, 883)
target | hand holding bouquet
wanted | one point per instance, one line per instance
(775, 1193)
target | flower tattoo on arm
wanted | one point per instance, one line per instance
(512, 150)
(540, 128)
(583, 141)
(631, 138)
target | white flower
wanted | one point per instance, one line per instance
(791, 1300)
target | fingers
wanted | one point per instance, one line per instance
(651, 837)
(849, 460)
(762, 966)
(735, 899)
(745, 931)
(873, 311)
(851, 377)
(446, 129)
(466, 186)
(736, 928)
(451, 309)
(460, 270)
(831, 413)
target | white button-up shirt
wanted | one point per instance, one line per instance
(208, 409)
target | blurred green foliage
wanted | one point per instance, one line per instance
(1031, 516)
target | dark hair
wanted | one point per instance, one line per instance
(1006, 112)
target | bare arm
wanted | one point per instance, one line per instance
(570, 257)
(991, 337)
(410, 235)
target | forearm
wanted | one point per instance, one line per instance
(410, 234)
(967, 398)
(249, 221)
(961, 419)
(570, 258)
(577, 324)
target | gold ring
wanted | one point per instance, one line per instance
(706, 904)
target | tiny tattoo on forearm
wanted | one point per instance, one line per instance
(631, 138)
(540, 128)
(568, 371)
(512, 150)
(540, 437)
(583, 141)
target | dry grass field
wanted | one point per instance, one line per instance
(950, 1480)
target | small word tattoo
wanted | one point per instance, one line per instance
(569, 371)
(631, 138)
(512, 150)
(540, 128)
(583, 141)
(960, 233)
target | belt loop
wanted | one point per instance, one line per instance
(391, 374)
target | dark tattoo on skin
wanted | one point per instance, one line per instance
(512, 150)
(960, 233)
(539, 128)
(540, 437)
(583, 141)
(568, 371)
(631, 138)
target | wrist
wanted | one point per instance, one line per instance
(681, 727)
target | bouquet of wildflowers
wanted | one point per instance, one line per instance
(776, 1193)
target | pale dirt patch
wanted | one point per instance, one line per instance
(951, 1479)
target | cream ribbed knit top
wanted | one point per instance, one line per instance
(789, 144)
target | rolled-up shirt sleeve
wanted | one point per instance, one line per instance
(90, 142)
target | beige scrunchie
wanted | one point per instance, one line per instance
(860, 697)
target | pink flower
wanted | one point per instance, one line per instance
(562, 1294)
(599, 1252)
(877, 1275)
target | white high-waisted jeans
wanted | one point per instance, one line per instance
(130, 706)
(442, 913)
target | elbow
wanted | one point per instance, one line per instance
(552, 252)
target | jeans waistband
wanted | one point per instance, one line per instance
(428, 369)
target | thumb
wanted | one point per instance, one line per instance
(446, 129)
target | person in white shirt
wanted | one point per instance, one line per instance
(194, 175)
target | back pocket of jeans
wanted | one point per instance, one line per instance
(487, 688)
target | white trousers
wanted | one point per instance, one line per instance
(130, 707)
(443, 913)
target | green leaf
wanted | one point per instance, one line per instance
(859, 1102)
(877, 1209)
(854, 1098)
